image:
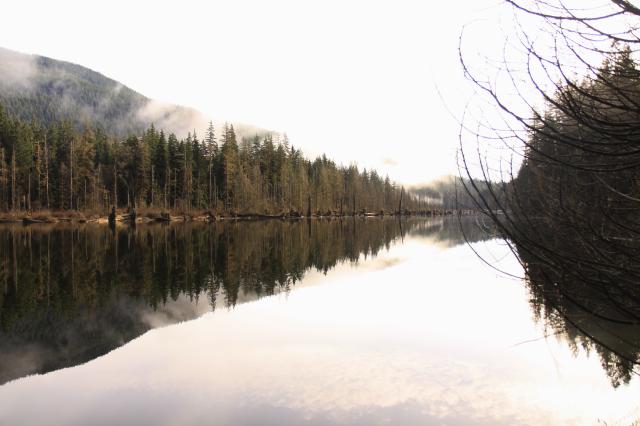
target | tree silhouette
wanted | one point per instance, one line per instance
(571, 118)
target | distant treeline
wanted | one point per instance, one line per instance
(458, 193)
(62, 167)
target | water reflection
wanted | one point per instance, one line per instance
(454, 231)
(596, 318)
(73, 293)
(418, 335)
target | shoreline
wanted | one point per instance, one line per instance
(146, 216)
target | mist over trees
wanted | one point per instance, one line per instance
(71, 138)
(47, 90)
(63, 167)
(457, 193)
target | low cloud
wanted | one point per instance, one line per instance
(179, 120)
(17, 69)
(22, 73)
(389, 162)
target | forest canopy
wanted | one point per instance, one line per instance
(61, 166)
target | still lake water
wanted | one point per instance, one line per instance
(362, 322)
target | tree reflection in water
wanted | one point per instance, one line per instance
(587, 306)
(73, 293)
(69, 294)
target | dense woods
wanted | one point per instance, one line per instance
(570, 212)
(62, 167)
(73, 139)
(575, 202)
(581, 170)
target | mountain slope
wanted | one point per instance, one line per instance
(39, 88)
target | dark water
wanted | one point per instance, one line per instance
(371, 322)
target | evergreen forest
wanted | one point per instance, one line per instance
(63, 166)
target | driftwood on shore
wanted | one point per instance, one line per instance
(132, 217)
(30, 220)
(162, 217)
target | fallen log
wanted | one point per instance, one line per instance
(30, 220)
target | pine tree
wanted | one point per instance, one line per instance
(229, 154)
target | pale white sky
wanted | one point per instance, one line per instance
(353, 79)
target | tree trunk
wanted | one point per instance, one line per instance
(354, 203)
(13, 179)
(28, 203)
(71, 176)
(95, 188)
(175, 188)
(167, 180)
(184, 183)
(115, 186)
(46, 168)
(2, 179)
(152, 182)
(38, 174)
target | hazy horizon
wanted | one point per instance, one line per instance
(360, 84)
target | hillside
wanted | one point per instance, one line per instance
(47, 90)
(128, 150)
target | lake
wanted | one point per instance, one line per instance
(323, 322)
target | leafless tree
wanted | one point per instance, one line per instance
(565, 100)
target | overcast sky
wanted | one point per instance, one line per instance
(357, 80)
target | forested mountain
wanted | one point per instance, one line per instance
(47, 90)
(71, 138)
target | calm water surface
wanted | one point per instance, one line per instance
(274, 323)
